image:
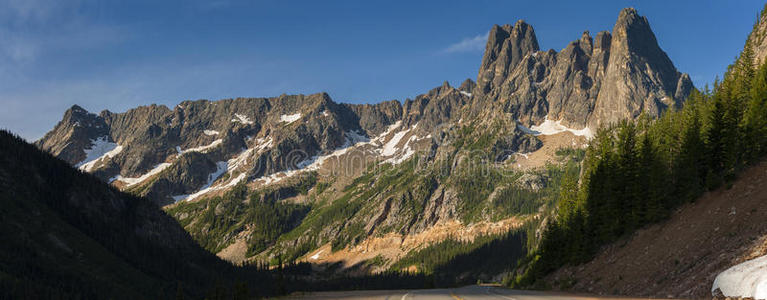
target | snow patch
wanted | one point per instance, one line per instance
(277, 177)
(100, 148)
(316, 256)
(391, 146)
(290, 118)
(221, 168)
(549, 127)
(178, 198)
(325, 113)
(201, 149)
(377, 140)
(355, 137)
(407, 152)
(230, 167)
(352, 139)
(242, 119)
(135, 180)
(748, 279)
(466, 93)
(210, 132)
(206, 190)
(242, 158)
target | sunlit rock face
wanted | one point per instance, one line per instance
(591, 82)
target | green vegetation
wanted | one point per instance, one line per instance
(478, 179)
(358, 196)
(269, 219)
(465, 261)
(636, 173)
(68, 235)
(215, 221)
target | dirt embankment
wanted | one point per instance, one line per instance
(392, 246)
(681, 256)
(547, 153)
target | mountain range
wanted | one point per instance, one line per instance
(304, 178)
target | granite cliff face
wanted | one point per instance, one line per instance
(591, 82)
(640, 78)
(757, 39)
(73, 134)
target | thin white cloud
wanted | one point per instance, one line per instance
(32, 28)
(30, 11)
(471, 44)
(213, 4)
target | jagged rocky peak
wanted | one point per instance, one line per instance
(164, 153)
(590, 82)
(440, 105)
(375, 118)
(467, 86)
(506, 46)
(757, 39)
(75, 132)
(602, 41)
(640, 77)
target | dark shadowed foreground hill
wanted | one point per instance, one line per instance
(67, 235)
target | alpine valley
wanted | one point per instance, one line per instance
(459, 184)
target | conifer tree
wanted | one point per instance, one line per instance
(715, 143)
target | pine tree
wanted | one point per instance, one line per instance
(650, 182)
(596, 187)
(715, 144)
(568, 197)
(690, 168)
(626, 193)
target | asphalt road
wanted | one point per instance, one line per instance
(473, 292)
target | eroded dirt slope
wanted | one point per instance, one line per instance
(682, 256)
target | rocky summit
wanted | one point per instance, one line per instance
(359, 172)
(591, 82)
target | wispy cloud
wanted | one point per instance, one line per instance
(214, 4)
(31, 28)
(29, 11)
(470, 44)
(34, 34)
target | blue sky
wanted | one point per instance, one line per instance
(120, 54)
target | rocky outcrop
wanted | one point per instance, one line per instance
(757, 40)
(591, 82)
(374, 118)
(75, 132)
(506, 47)
(533, 182)
(640, 78)
(439, 106)
(190, 172)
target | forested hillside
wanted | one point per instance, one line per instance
(637, 172)
(68, 235)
